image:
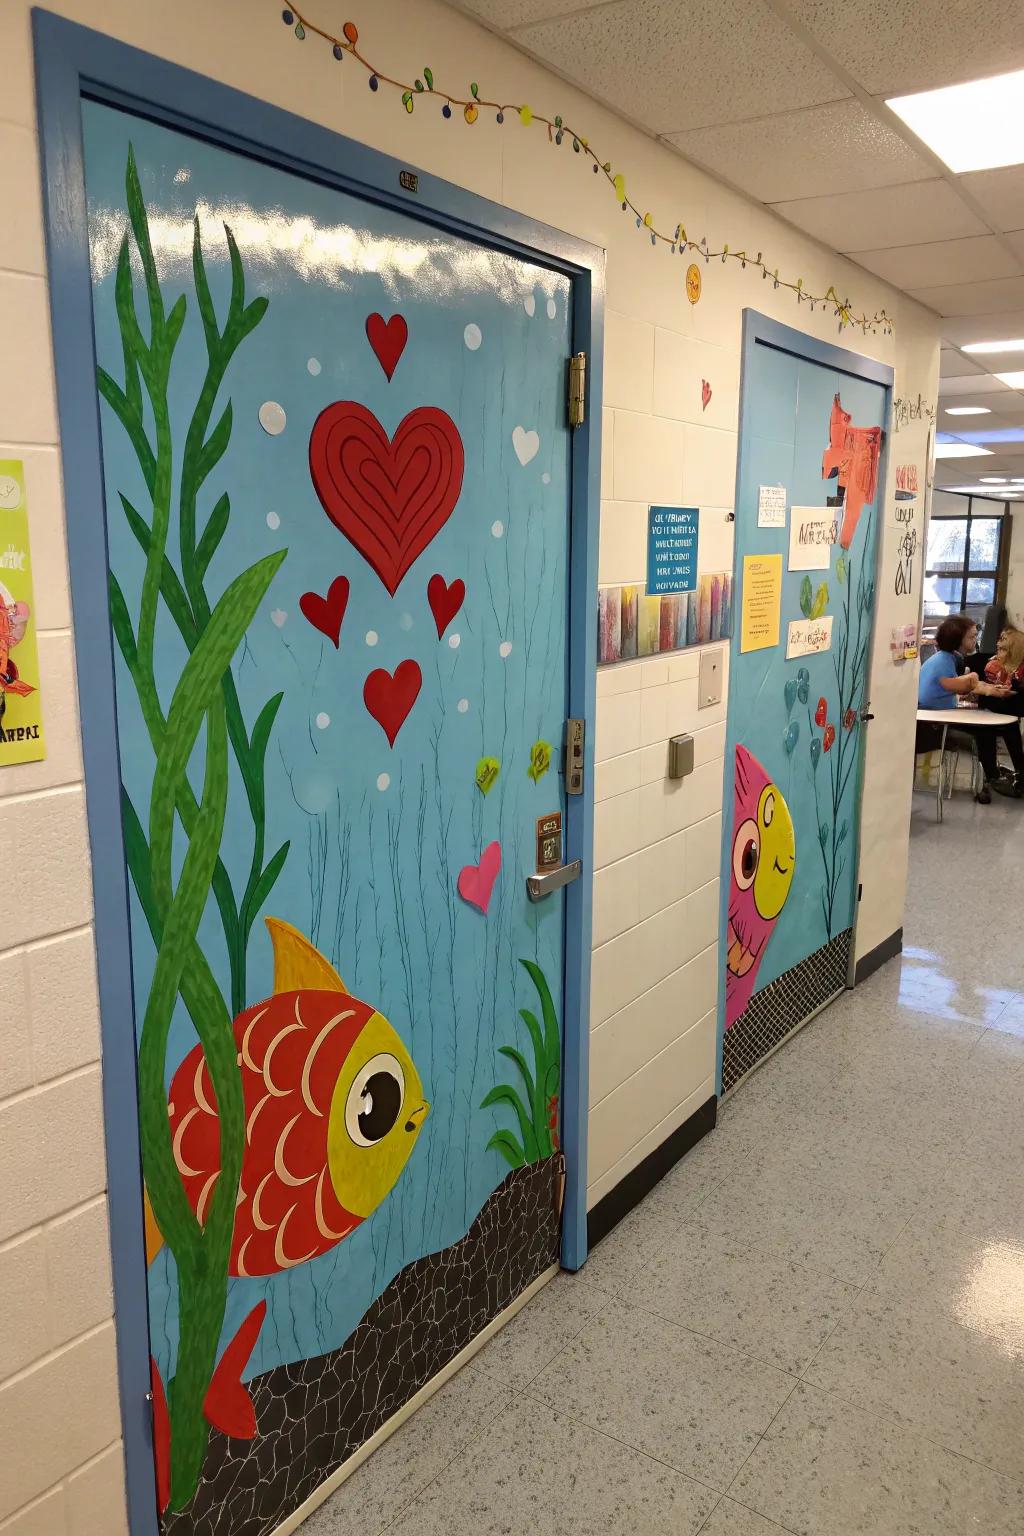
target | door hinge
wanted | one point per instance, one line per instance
(574, 738)
(577, 389)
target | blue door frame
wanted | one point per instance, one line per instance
(759, 330)
(71, 62)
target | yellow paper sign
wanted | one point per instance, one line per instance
(762, 602)
(21, 718)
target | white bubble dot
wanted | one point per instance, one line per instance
(405, 622)
(454, 641)
(472, 336)
(505, 649)
(383, 780)
(314, 366)
(273, 521)
(497, 528)
(371, 637)
(463, 706)
(272, 417)
(529, 304)
(551, 309)
(545, 478)
(322, 721)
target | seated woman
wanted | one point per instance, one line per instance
(1007, 665)
(944, 677)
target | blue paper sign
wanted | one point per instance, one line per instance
(671, 550)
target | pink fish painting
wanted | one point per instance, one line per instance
(763, 857)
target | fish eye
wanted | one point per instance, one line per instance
(746, 851)
(768, 810)
(375, 1100)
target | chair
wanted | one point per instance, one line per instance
(930, 738)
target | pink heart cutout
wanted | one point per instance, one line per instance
(476, 881)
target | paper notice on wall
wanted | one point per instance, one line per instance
(21, 721)
(812, 533)
(762, 602)
(771, 506)
(809, 636)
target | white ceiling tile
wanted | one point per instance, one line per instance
(975, 384)
(802, 154)
(887, 216)
(672, 66)
(972, 298)
(941, 262)
(960, 332)
(1000, 193)
(515, 13)
(953, 364)
(892, 48)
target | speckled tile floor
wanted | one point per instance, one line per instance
(815, 1324)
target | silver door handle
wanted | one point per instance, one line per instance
(539, 886)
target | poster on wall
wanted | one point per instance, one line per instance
(671, 550)
(21, 716)
(632, 623)
(762, 599)
(812, 533)
(771, 506)
(807, 637)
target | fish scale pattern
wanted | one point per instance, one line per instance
(313, 1415)
(782, 1006)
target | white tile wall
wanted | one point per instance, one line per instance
(659, 445)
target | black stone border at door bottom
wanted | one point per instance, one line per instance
(783, 1005)
(618, 1202)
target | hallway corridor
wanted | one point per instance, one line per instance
(815, 1324)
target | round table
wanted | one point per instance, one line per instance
(958, 718)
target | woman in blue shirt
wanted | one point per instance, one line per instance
(944, 676)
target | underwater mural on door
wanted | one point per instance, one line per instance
(795, 739)
(337, 474)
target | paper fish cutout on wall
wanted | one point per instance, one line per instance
(763, 856)
(333, 1108)
(852, 455)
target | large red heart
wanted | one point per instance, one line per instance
(327, 613)
(390, 698)
(445, 601)
(390, 497)
(388, 339)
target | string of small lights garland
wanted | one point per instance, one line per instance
(558, 130)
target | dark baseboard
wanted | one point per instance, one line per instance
(618, 1202)
(876, 958)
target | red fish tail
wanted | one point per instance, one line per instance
(228, 1406)
(161, 1437)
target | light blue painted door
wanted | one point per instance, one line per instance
(337, 492)
(794, 747)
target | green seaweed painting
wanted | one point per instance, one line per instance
(203, 721)
(538, 1115)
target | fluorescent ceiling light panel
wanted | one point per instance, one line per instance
(972, 127)
(1012, 380)
(995, 346)
(968, 410)
(960, 451)
(992, 479)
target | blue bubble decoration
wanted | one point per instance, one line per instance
(790, 692)
(792, 736)
(815, 752)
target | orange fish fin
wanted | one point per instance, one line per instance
(154, 1237)
(20, 688)
(228, 1406)
(161, 1437)
(298, 965)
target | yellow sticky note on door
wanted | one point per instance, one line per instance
(762, 602)
(21, 717)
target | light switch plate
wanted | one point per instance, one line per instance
(709, 680)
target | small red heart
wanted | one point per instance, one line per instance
(388, 339)
(390, 698)
(445, 601)
(327, 613)
(821, 713)
(705, 394)
(476, 881)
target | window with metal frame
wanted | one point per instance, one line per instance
(964, 560)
